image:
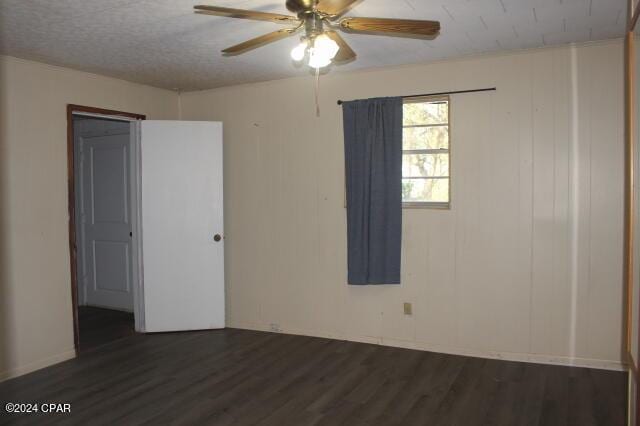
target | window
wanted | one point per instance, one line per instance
(425, 153)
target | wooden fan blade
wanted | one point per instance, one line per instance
(246, 14)
(259, 41)
(335, 8)
(345, 53)
(391, 27)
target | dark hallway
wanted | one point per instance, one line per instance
(99, 326)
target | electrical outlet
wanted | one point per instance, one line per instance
(275, 327)
(408, 309)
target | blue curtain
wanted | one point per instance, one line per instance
(373, 160)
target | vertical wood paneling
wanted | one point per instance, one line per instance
(523, 110)
(494, 274)
(562, 195)
(472, 233)
(512, 320)
(607, 183)
(545, 327)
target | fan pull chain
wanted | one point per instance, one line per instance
(317, 92)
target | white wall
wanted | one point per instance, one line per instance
(36, 325)
(527, 264)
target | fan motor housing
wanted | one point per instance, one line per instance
(297, 6)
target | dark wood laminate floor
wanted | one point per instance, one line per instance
(238, 377)
(98, 326)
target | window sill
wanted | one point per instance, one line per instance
(435, 206)
(422, 206)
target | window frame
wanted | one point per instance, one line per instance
(441, 205)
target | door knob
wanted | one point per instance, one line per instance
(217, 237)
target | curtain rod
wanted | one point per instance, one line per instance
(457, 92)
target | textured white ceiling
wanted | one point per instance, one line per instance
(164, 44)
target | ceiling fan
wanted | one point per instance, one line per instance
(319, 19)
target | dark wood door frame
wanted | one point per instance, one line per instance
(72, 199)
(630, 224)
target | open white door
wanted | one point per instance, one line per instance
(180, 222)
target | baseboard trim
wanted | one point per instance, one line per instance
(567, 361)
(37, 365)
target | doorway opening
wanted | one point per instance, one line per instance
(101, 216)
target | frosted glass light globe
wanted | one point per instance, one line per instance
(298, 52)
(318, 59)
(323, 51)
(325, 46)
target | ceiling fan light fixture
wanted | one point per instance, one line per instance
(321, 47)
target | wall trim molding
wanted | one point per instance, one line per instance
(561, 360)
(37, 365)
